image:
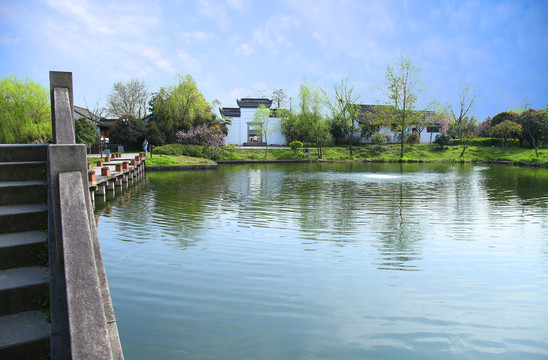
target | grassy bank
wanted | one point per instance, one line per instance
(166, 160)
(420, 152)
(390, 153)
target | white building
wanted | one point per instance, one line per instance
(426, 131)
(243, 132)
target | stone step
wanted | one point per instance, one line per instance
(20, 218)
(23, 152)
(23, 289)
(24, 336)
(23, 192)
(23, 170)
(23, 249)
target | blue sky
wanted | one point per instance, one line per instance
(236, 48)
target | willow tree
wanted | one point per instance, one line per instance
(403, 88)
(25, 114)
(181, 107)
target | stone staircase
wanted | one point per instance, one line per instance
(24, 273)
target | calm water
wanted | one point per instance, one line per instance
(332, 261)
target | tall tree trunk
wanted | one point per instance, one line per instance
(350, 138)
(401, 142)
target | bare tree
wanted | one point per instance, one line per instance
(460, 120)
(128, 98)
(278, 97)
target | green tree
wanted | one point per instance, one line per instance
(181, 107)
(506, 130)
(128, 131)
(154, 136)
(505, 115)
(535, 126)
(460, 121)
(403, 88)
(25, 114)
(307, 123)
(344, 108)
(128, 98)
(262, 122)
(85, 132)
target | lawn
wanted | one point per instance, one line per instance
(418, 152)
(167, 160)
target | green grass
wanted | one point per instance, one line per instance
(167, 160)
(419, 152)
(386, 152)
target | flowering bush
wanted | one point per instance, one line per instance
(484, 128)
(202, 135)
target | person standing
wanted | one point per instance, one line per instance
(145, 145)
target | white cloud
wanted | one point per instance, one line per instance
(189, 64)
(239, 93)
(244, 49)
(197, 35)
(236, 4)
(214, 10)
(9, 39)
(275, 32)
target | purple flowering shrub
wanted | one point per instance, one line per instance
(202, 135)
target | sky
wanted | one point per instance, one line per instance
(246, 48)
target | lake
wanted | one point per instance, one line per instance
(331, 261)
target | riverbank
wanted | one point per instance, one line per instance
(368, 153)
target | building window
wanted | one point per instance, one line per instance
(433, 129)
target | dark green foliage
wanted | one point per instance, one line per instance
(131, 132)
(507, 130)
(477, 141)
(85, 132)
(442, 140)
(535, 126)
(154, 136)
(503, 116)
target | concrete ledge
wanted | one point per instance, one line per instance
(87, 320)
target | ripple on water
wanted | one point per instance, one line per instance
(252, 263)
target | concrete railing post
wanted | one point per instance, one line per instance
(83, 322)
(62, 109)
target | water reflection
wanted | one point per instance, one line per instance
(331, 260)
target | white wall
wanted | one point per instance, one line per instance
(424, 138)
(237, 131)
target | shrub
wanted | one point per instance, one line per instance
(378, 139)
(412, 139)
(296, 146)
(442, 140)
(477, 141)
(169, 149)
